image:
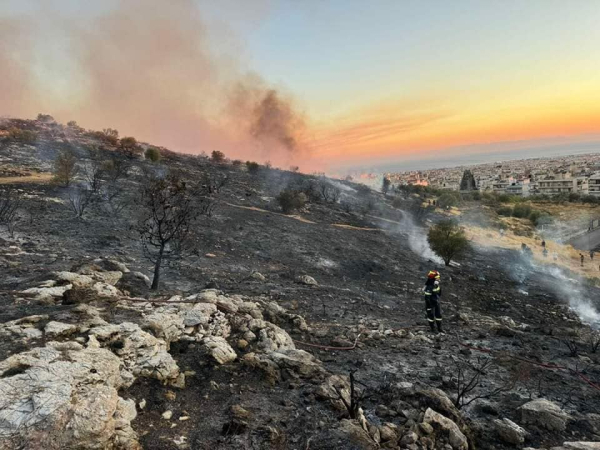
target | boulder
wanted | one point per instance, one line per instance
(457, 439)
(509, 431)
(219, 349)
(307, 280)
(54, 329)
(544, 414)
(273, 338)
(112, 265)
(258, 276)
(63, 396)
(297, 363)
(348, 434)
(136, 283)
(332, 388)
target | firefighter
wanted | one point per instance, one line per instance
(432, 293)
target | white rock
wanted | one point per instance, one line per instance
(49, 293)
(54, 329)
(509, 431)
(307, 279)
(581, 445)
(273, 338)
(219, 349)
(457, 439)
(167, 415)
(142, 354)
(545, 414)
(106, 290)
(165, 326)
(74, 278)
(110, 277)
(64, 393)
(143, 277)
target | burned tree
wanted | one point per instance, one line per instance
(385, 185)
(170, 208)
(10, 202)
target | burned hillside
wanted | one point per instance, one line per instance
(296, 330)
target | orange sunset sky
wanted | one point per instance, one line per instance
(354, 84)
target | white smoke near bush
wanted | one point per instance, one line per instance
(416, 235)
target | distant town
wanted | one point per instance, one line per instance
(576, 174)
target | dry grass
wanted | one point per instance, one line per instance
(567, 256)
(42, 178)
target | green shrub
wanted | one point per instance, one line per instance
(449, 199)
(521, 211)
(253, 167)
(544, 219)
(504, 198)
(291, 200)
(236, 162)
(23, 136)
(534, 216)
(153, 154)
(130, 147)
(506, 211)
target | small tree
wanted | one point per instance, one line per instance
(111, 136)
(170, 208)
(130, 147)
(65, 167)
(253, 167)
(385, 186)
(448, 199)
(448, 240)
(217, 156)
(152, 154)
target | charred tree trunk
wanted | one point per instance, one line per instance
(156, 278)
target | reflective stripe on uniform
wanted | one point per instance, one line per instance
(437, 319)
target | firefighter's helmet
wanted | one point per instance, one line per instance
(433, 274)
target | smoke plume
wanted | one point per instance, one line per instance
(152, 69)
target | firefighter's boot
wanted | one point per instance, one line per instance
(439, 326)
(432, 326)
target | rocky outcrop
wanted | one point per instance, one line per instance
(64, 396)
(142, 354)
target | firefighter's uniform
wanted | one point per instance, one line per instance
(432, 293)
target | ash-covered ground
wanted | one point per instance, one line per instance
(265, 318)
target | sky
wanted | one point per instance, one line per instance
(326, 85)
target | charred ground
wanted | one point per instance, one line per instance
(368, 284)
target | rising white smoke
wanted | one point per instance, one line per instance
(566, 288)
